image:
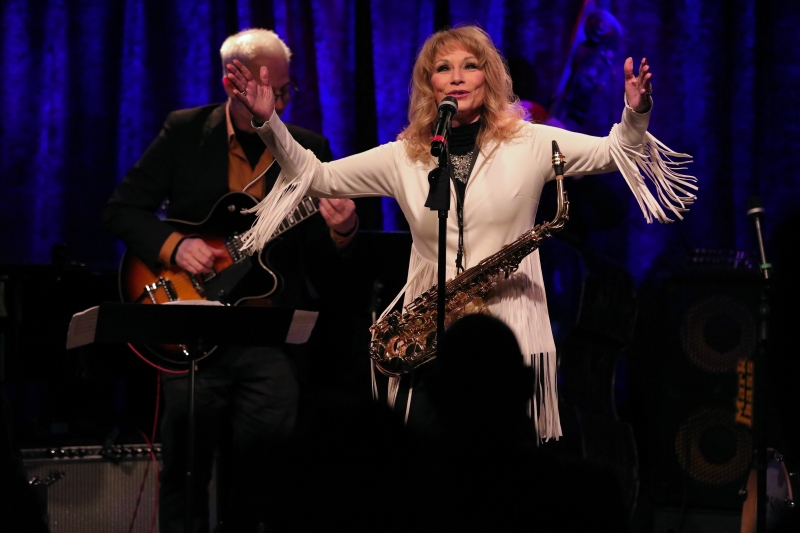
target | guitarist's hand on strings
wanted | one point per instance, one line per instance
(197, 257)
(339, 214)
(257, 97)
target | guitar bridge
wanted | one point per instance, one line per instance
(199, 286)
(234, 245)
(169, 290)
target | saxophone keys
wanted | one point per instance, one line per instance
(377, 350)
(412, 350)
(474, 306)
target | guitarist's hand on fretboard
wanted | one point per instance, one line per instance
(197, 257)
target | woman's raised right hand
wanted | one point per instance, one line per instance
(256, 97)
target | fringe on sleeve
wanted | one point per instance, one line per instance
(655, 161)
(273, 209)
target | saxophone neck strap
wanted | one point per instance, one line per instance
(460, 188)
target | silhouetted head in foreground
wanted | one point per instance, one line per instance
(481, 384)
(488, 472)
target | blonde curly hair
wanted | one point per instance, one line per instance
(502, 113)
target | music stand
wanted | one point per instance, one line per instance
(193, 323)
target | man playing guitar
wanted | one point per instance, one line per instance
(245, 396)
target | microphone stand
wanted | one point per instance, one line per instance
(193, 351)
(439, 200)
(759, 388)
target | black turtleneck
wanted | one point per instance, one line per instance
(462, 139)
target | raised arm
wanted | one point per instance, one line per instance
(256, 97)
(641, 158)
(371, 173)
(637, 86)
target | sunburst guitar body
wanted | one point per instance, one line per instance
(236, 277)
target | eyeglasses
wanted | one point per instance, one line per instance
(286, 92)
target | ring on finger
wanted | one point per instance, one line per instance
(244, 92)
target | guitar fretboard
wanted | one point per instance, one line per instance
(306, 208)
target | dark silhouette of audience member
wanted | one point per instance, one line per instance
(352, 472)
(363, 470)
(20, 507)
(482, 351)
(488, 470)
(783, 366)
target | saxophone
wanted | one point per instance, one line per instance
(401, 343)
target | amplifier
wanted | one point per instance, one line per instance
(94, 488)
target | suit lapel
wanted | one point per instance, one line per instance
(214, 170)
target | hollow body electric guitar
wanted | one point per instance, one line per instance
(236, 277)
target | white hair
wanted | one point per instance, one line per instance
(249, 44)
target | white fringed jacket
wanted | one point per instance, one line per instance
(500, 204)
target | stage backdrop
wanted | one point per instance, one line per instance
(87, 84)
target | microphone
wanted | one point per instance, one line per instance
(447, 109)
(755, 211)
(754, 207)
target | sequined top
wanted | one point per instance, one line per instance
(461, 166)
(461, 148)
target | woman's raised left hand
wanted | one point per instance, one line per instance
(637, 86)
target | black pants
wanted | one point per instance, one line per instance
(245, 401)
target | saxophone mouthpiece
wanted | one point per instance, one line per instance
(558, 160)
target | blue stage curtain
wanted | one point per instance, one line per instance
(89, 82)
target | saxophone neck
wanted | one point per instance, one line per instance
(562, 210)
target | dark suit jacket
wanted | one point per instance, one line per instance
(187, 164)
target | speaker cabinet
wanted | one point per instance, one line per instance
(91, 488)
(703, 324)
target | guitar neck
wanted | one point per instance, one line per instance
(306, 208)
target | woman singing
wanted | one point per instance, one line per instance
(500, 162)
